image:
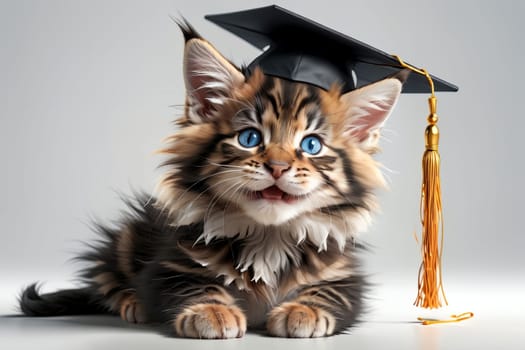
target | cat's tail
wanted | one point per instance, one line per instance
(61, 303)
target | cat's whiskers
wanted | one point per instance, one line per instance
(218, 196)
(213, 186)
(230, 169)
(242, 175)
(199, 182)
(231, 166)
(232, 195)
(244, 168)
(212, 203)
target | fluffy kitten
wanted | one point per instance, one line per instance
(268, 181)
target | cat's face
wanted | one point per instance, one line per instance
(272, 148)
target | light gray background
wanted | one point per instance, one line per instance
(85, 95)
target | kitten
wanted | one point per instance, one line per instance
(267, 183)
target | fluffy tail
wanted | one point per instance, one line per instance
(61, 303)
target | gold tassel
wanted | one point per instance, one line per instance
(430, 283)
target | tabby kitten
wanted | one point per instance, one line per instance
(268, 181)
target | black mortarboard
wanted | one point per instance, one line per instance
(298, 49)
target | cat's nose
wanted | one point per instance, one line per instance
(277, 160)
(276, 167)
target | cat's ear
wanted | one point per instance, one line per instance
(369, 107)
(210, 79)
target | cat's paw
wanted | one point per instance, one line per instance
(211, 321)
(296, 320)
(131, 310)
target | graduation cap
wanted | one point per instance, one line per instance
(298, 49)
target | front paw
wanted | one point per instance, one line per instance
(296, 320)
(210, 321)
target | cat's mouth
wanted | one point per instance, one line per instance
(274, 194)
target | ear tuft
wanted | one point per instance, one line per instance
(369, 108)
(210, 79)
(186, 28)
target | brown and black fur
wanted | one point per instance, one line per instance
(163, 264)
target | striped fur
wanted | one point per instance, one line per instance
(212, 255)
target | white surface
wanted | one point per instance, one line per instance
(391, 324)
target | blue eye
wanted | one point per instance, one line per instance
(250, 138)
(311, 144)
